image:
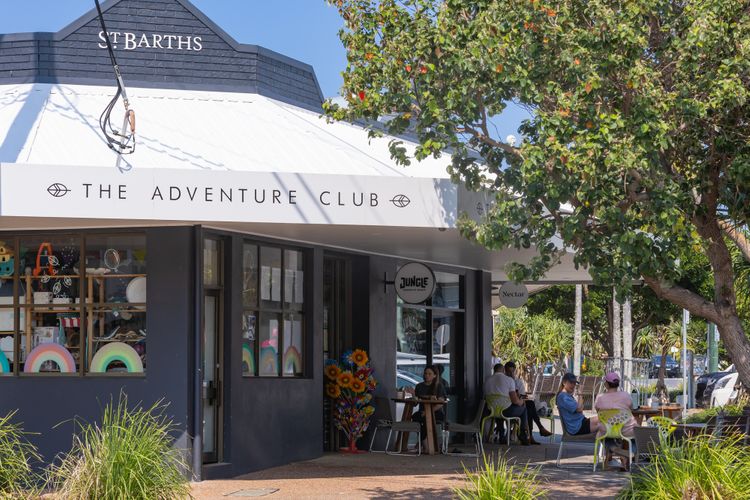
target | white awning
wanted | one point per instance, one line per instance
(209, 157)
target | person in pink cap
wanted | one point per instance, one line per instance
(615, 399)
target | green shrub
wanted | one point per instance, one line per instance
(701, 417)
(699, 468)
(131, 455)
(17, 477)
(501, 482)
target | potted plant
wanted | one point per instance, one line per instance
(350, 384)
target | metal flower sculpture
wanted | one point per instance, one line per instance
(350, 384)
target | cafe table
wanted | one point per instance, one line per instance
(670, 411)
(430, 406)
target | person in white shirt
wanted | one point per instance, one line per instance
(531, 414)
(499, 383)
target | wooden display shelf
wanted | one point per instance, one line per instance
(113, 339)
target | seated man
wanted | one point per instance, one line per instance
(532, 415)
(571, 409)
(614, 399)
(505, 386)
(492, 386)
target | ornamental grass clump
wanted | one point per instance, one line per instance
(500, 481)
(17, 454)
(701, 468)
(130, 455)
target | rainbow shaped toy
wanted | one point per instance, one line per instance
(116, 351)
(248, 360)
(4, 364)
(269, 362)
(292, 361)
(50, 352)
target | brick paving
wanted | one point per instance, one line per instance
(381, 476)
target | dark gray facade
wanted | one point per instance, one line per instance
(267, 421)
(159, 43)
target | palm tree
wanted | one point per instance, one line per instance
(660, 339)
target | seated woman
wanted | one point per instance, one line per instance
(431, 388)
(614, 399)
(571, 410)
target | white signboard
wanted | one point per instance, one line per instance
(414, 283)
(231, 196)
(513, 295)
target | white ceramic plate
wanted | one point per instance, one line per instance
(136, 290)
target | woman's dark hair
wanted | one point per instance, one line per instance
(612, 385)
(436, 381)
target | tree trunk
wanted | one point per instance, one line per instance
(737, 345)
(723, 310)
(661, 387)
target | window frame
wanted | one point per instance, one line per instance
(83, 311)
(285, 309)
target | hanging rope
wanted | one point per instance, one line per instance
(121, 142)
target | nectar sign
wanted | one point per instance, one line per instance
(131, 41)
(414, 283)
(513, 295)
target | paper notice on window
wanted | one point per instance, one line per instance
(265, 283)
(288, 284)
(276, 283)
(299, 295)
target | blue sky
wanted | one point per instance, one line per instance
(303, 29)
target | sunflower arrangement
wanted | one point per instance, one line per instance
(350, 384)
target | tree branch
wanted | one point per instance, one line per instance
(737, 237)
(489, 140)
(685, 299)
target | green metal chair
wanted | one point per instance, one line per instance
(497, 403)
(665, 425)
(613, 420)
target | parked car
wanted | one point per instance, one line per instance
(672, 367)
(405, 380)
(706, 383)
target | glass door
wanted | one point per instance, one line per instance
(212, 351)
(336, 330)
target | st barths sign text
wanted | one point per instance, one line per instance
(131, 41)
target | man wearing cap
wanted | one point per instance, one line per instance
(614, 399)
(571, 409)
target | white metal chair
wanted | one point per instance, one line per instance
(724, 392)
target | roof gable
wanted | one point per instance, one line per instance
(158, 43)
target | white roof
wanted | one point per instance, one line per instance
(57, 124)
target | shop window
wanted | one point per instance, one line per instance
(116, 303)
(426, 332)
(272, 316)
(447, 292)
(70, 304)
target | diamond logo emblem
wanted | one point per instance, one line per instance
(58, 190)
(400, 200)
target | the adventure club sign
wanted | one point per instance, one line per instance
(232, 196)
